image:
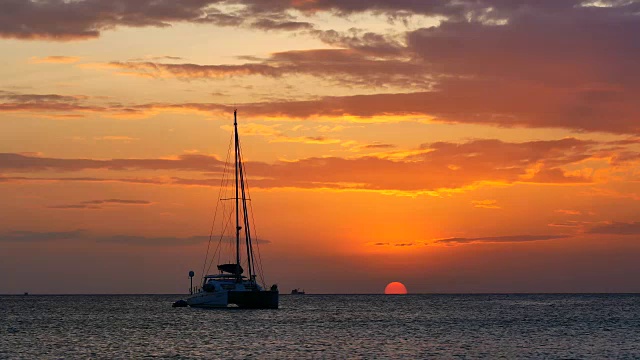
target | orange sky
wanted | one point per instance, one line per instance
(454, 146)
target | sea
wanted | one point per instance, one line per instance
(517, 326)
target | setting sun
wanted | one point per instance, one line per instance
(395, 288)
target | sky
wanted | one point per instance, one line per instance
(455, 146)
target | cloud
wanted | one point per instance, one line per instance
(131, 240)
(22, 163)
(275, 135)
(365, 42)
(32, 236)
(486, 204)
(472, 10)
(118, 201)
(356, 146)
(158, 58)
(557, 176)
(467, 69)
(340, 66)
(166, 241)
(445, 8)
(387, 244)
(568, 212)
(435, 166)
(75, 206)
(95, 204)
(191, 71)
(116, 138)
(75, 106)
(379, 146)
(47, 105)
(570, 224)
(617, 228)
(61, 20)
(54, 60)
(467, 103)
(455, 101)
(500, 239)
(39, 98)
(269, 24)
(136, 180)
(306, 139)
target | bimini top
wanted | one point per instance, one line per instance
(230, 268)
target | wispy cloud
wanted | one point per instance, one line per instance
(98, 204)
(570, 224)
(475, 162)
(399, 244)
(617, 228)
(275, 135)
(54, 59)
(26, 237)
(378, 146)
(17, 162)
(568, 212)
(486, 204)
(126, 139)
(500, 239)
(33, 236)
(306, 139)
(158, 58)
(441, 104)
(440, 81)
(340, 66)
(59, 20)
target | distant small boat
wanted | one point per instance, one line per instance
(297, 292)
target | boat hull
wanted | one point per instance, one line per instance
(242, 299)
(254, 299)
(219, 299)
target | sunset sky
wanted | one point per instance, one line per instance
(451, 145)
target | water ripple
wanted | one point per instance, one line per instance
(324, 326)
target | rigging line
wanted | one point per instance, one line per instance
(255, 231)
(219, 245)
(215, 213)
(245, 217)
(227, 213)
(220, 241)
(225, 177)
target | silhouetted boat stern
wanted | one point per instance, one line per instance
(254, 299)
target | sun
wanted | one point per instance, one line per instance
(395, 288)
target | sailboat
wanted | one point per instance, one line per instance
(231, 286)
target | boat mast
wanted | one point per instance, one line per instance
(241, 195)
(237, 150)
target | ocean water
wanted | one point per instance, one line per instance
(324, 326)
